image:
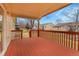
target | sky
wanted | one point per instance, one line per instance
(22, 20)
(58, 16)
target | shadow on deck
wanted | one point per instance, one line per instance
(38, 47)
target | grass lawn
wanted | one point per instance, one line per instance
(25, 33)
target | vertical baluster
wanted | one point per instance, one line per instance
(74, 35)
(71, 43)
(66, 38)
(55, 36)
(63, 38)
(75, 41)
(49, 35)
(52, 35)
(78, 41)
(69, 39)
(60, 38)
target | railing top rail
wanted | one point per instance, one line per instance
(67, 32)
(16, 30)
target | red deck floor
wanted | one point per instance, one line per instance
(38, 47)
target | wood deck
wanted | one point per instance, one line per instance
(38, 47)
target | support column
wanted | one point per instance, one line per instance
(16, 23)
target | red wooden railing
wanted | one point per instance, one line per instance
(34, 32)
(17, 33)
(66, 38)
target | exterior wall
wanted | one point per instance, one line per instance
(8, 25)
(48, 27)
(63, 29)
(59, 28)
(55, 28)
(0, 30)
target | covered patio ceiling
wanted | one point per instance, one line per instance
(33, 10)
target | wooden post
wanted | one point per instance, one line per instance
(38, 28)
(30, 34)
(75, 41)
(21, 34)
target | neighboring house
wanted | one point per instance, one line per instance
(36, 27)
(71, 26)
(60, 28)
(48, 26)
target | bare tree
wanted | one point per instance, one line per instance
(58, 21)
(30, 24)
(74, 17)
(74, 14)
